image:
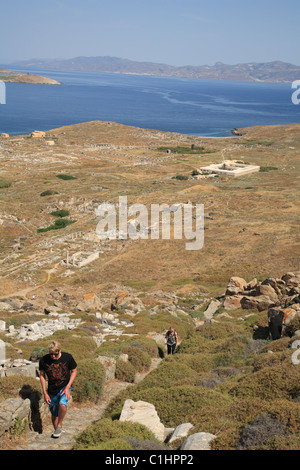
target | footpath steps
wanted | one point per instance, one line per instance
(77, 419)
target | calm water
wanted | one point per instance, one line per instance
(200, 107)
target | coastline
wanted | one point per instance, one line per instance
(22, 77)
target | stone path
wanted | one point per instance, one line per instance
(77, 419)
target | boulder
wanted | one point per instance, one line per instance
(38, 134)
(11, 410)
(260, 302)
(181, 431)
(143, 413)
(232, 302)
(198, 441)
(211, 309)
(236, 285)
(287, 276)
(90, 302)
(267, 290)
(109, 364)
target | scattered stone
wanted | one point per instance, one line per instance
(11, 410)
(180, 431)
(211, 309)
(198, 441)
(143, 413)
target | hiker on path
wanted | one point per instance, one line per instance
(171, 340)
(60, 369)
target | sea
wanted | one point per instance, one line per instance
(189, 106)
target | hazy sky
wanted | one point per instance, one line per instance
(175, 32)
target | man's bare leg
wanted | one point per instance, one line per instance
(61, 414)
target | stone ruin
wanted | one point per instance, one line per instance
(230, 168)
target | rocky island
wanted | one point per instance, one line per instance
(22, 77)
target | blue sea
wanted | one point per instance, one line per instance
(189, 106)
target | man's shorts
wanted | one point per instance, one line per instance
(56, 401)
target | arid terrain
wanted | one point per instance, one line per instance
(251, 222)
(22, 77)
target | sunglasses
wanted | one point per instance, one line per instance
(54, 354)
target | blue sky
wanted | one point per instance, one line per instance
(175, 32)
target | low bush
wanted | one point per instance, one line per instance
(139, 359)
(125, 371)
(58, 224)
(174, 405)
(270, 383)
(60, 213)
(112, 444)
(115, 348)
(79, 344)
(168, 374)
(88, 385)
(10, 387)
(4, 184)
(49, 192)
(105, 430)
(66, 177)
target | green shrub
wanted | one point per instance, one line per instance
(245, 410)
(66, 177)
(125, 371)
(174, 405)
(79, 344)
(264, 169)
(112, 444)
(49, 192)
(37, 353)
(4, 184)
(88, 385)
(140, 360)
(115, 348)
(58, 224)
(181, 177)
(168, 374)
(60, 213)
(106, 429)
(11, 387)
(270, 383)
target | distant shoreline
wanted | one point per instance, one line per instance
(24, 77)
(269, 72)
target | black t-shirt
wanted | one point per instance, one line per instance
(57, 371)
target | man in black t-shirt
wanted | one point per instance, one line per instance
(60, 369)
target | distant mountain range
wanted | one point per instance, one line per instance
(276, 71)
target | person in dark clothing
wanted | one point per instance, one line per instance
(59, 369)
(171, 340)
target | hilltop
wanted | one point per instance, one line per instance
(275, 71)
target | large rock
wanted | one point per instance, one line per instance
(198, 441)
(236, 285)
(259, 302)
(109, 364)
(181, 431)
(211, 310)
(265, 289)
(232, 302)
(11, 410)
(143, 413)
(89, 302)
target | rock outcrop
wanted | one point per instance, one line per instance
(272, 292)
